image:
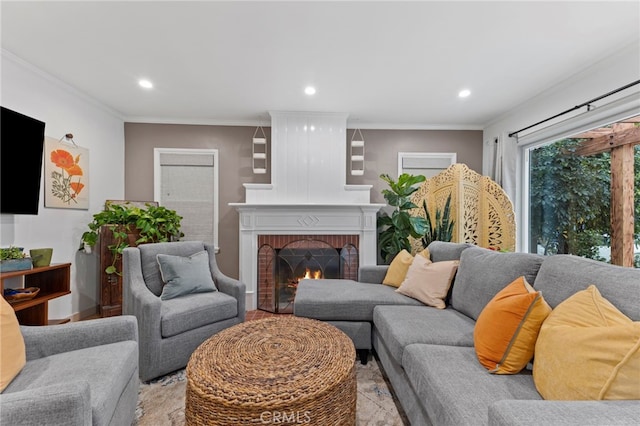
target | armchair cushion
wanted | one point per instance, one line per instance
(185, 274)
(195, 310)
(107, 369)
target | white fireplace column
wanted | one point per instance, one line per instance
(301, 219)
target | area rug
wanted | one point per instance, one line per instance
(161, 401)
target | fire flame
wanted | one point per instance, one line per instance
(316, 275)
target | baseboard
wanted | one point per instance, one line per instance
(83, 315)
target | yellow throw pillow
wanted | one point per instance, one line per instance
(588, 350)
(505, 333)
(429, 282)
(398, 269)
(425, 253)
(12, 350)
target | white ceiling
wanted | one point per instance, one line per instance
(386, 64)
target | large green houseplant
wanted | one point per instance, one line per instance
(396, 229)
(150, 224)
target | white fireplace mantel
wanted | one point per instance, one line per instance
(299, 219)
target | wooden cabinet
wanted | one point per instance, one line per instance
(111, 284)
(54, 281)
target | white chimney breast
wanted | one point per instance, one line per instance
(308, 162)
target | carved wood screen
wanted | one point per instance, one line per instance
(482, 212)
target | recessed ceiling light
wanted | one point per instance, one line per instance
(310, 90)
(464, 93)
(145, 83)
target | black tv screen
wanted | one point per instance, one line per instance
(22, 146)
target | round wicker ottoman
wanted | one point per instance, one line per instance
(280, 370)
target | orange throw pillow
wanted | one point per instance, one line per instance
(505, 333)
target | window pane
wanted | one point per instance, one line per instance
(187, 186)
(569, 201)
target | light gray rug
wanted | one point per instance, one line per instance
(161, 402)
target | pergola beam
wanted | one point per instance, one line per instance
(607, 142)
(620, 139)
(622, 207)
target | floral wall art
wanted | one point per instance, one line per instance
(66, 168)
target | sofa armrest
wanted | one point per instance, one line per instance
(373, 274)
(535, 413)
(227, 285)
(43, 341)
(66, 404)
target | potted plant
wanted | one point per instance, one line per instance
(129, 225)
(442, 228)
(396, 229)
(14, 259)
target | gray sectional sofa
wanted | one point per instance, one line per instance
(428, 353)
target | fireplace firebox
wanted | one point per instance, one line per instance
(284, 260)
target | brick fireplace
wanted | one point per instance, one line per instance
(307, 199)
(283, 260)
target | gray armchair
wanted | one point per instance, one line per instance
(170, 330)
(80, 373)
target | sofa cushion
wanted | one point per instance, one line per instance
(483, 273)
(507, 328)
(455, 388)
(429, 282)
(400, 326)
(583, 413)
(106, 368)
(344, 300)
(588, 350)
(562, 275)
(440, 250)
(149, 262)
(195, 310)
(398, 269)
(12, 350)
(185, 274)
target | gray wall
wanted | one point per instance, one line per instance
(234, 145)
(382, 147)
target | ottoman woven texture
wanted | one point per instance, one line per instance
(286, 370)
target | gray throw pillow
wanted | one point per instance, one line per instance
(185, 275)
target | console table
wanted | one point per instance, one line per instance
(53, 281)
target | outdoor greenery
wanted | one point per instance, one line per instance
(570, 200)
(442, 228)
(396, 229)
(154, 224)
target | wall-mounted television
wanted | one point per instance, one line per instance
(22, 146)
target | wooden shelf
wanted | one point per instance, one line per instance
(53, 282)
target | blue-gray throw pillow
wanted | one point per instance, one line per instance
(185, 275)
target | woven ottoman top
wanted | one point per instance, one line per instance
(278, 364)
